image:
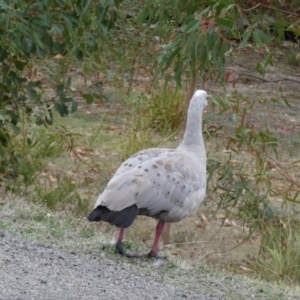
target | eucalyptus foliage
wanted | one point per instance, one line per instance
(41, 30)
(204, 30)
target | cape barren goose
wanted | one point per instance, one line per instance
(165, 184)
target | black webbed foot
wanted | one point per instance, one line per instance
(120, 250)
(151, 255)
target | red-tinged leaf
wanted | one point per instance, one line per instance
(227, 75)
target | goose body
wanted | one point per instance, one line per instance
(166, 184)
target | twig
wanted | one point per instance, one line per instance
(191, 88)
(130, 80)
(282, 170)
(266, 6)
(269, 81)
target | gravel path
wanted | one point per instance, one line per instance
(35, 271)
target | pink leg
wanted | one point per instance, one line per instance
(159, 230)
(121, 234)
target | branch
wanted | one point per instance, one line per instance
(269, 81)
(266, 6)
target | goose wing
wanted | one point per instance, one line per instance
(163, 180)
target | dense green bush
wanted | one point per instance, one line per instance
(39, 31)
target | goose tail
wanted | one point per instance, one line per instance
(122, 219)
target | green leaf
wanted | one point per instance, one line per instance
(142, 16)
(20, 64)
(68, 83)
(62, 109)
(74, 106)
(1, 150)
(70, 19)
(205, 3)
(88, 98)
(15, 129)
(38, 40)
(173, 44)
(167, 59)
(85, 5)
(256, 36)
(90, 42)
(225, 22)
(193, 25)
(57, 47)
(79, 54)
(60, 89)
(246, 35)
(32, 94)
(60, 3)
(64, 99)
(263, 36)
(39, 52)
(58, 28)
(2, 117)
(29, 44)
(270, 212)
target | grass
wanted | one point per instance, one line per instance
(293, 58)
(279, 258)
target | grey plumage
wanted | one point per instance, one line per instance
(167, 184)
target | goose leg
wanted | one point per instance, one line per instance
(119, 246)
(159, 229)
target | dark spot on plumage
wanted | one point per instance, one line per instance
(168, 167)
(168, 192)
(139, 167)
(168, 176)
(155, 166)
(159, 162)
(130, 165)
(173, 179)
(140, 158)
(146, 170)
(158, 174)
(136, 194)
(183, 186)
(177, 182)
